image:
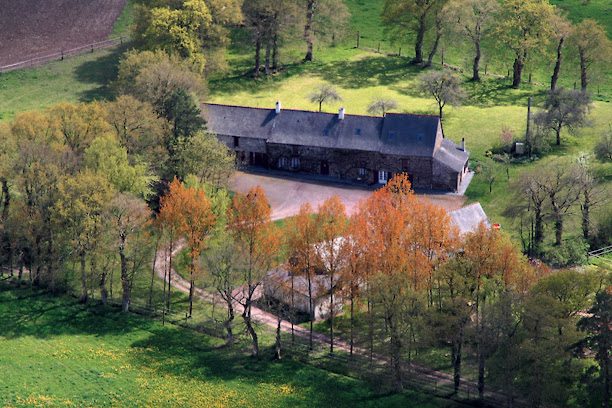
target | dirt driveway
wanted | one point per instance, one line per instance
(287, 194)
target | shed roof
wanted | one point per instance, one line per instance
(468, 218)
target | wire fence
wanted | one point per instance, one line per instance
(61, 54)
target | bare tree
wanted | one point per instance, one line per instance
(473, 19)
(381, 106)
(562, 29)
(593, 45)
(323, 94)
(592, 194)
(564, 109)
(445, 88)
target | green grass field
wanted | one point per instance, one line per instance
(60, 353)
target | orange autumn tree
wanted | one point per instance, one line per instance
(301, 235)
(332, 222)
(492, 265)
(257, 239)
(169, 220)
(196, 221)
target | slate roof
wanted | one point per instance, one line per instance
(468, 218)
(451, 156)
(396, 133)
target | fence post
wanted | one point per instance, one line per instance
(92, 48)
(358, 38)
(399, 52)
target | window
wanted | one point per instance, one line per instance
(362, 172)
(383, 176)
(295, 162)
(236, 141)
(283, 162)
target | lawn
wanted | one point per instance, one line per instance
(60, 353)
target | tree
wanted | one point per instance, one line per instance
(489, 171)
(257, 242)
(562, 29)
(474, 20)
(302, 234)
(324, 18)
(323, 94)
(524, 28)
(108, 158)
(138, 129)
(8, 151)
(170, 220)
(196, 222)
(591, 194)
(599, 339)
(593, 45)
(603, 149)
(331, 254)
(564, 109)
(445, 88)
(130, 218)
(203, 156)
(223, 264)
(176, 30)
(80, 207)
(403, 18)
(382, 106)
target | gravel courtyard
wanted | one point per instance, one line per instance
(287, 194)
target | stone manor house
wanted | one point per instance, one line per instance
(363, 149)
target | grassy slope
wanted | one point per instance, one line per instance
(60, 353)
(122, 25)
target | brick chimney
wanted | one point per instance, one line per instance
(341, 114)
(278, 107)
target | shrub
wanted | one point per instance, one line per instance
(603, 149)
(571, 252)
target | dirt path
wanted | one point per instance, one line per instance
(261, 316)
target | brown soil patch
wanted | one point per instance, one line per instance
(32, 28)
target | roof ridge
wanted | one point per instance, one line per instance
(322, 113)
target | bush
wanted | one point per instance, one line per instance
(603, 149)
(571, 252)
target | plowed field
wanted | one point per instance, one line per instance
(31, 28)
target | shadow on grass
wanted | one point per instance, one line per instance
(100, 72)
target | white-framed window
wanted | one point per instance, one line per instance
(383, 176)
(295, 162)
(362, 172)
(283, 162)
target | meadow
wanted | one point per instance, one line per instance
(61, 353)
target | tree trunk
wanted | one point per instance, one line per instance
(420, 37)
(558, 135)
(441, 113)
(396, 355)
(558, 229)
(125, 279)
(5, 244)
(278, 344)
(275, 53)
(331, 313)
(267, 57)
(84, 294)
(583, 70)
(191, 285)
(150, 300)
(308, 35)
(434, 48)
(352, 340)
(169, 276)
(519, 63)
(257, 56)
(538, 230)
(586, 215)
(456, 357)
(246, 316)
(557, 69)
(476, 65)
(230, 320)
(103, 290)
(310, 309)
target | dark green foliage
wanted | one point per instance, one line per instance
(571, 252)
